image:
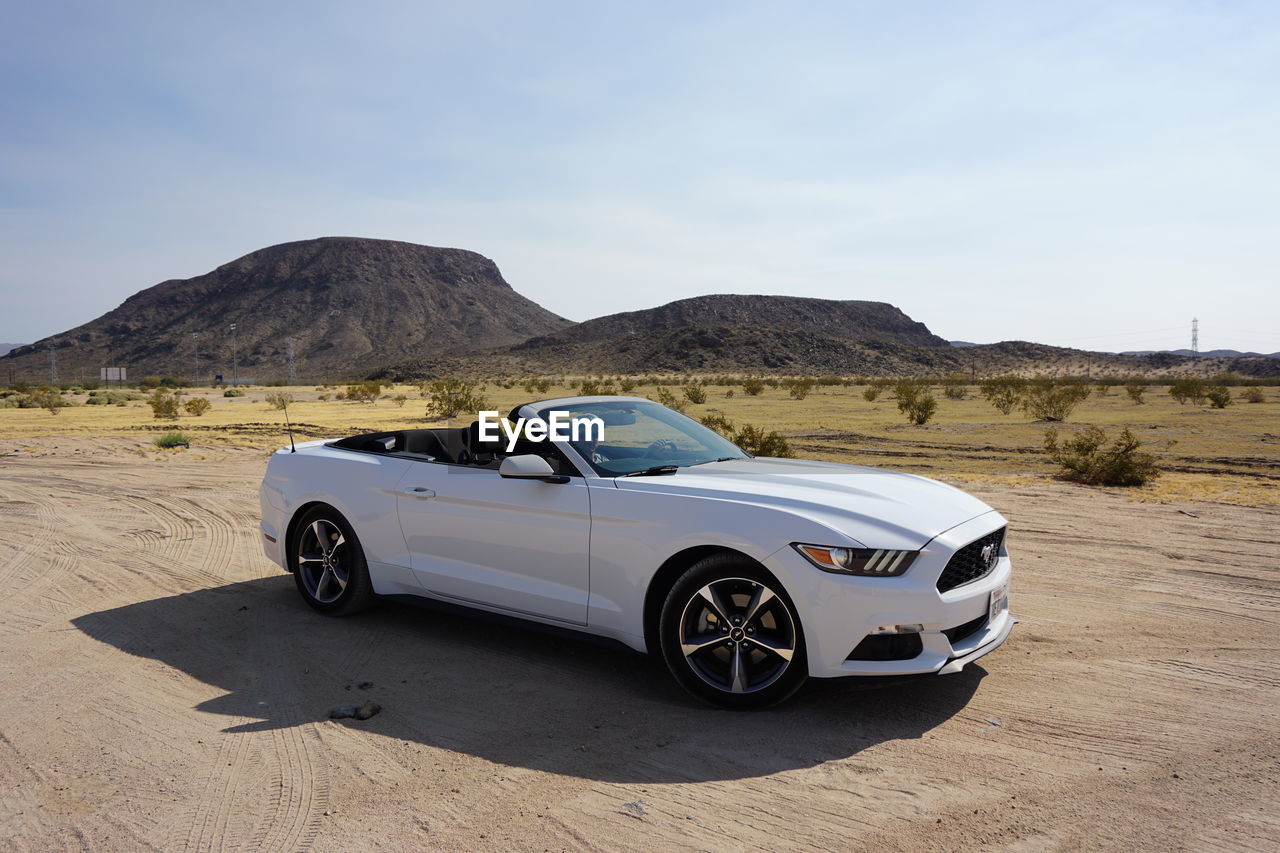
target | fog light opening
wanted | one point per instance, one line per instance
(898, 629)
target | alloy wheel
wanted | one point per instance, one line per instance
(737, 635)
(324, 562)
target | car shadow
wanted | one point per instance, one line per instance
(501, 690)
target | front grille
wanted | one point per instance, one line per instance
(968, 629)
(967, 565)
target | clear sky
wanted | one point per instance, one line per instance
(1081, 174)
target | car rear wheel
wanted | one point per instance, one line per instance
(328, 563)
(730, 635)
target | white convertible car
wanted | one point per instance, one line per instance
(746, 574)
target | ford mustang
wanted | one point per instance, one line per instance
(746, 574)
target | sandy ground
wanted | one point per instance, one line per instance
(164, 688)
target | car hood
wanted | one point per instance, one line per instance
(875, 507)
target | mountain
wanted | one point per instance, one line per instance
(388, 310)
(725, 332)
(843, 320)
(1213, 353)
(4, 348)
(349, 305)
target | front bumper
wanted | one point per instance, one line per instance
(839, 611)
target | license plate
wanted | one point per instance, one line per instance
(999, 602)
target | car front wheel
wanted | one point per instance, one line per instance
(730, 635)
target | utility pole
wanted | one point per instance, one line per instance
(293, 368)
(235, 376)
(195, 358)
(1195, 337)
(53, 366)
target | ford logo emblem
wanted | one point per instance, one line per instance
(989, 553)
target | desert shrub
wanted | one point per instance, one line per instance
(400, 400)
(233, 392)
(915, 401)
(173, 439)
(1253, 395)
(799, 388)
(164, 406)
(1049, 399)
(1087, 458)
(1135, 388)
(752, 387)
(196, 406)
(1003, 392)
(1104, 384)
(626, 385)
(757, 442)
(364, 392)
(450, 397)
(695, 394)
(537, 386)
(1219, 396)
(590, 388)
(150, 383)
(666, 398)
(109, 398)
(728, 394)
(47, 398)
(1188, 388)
(753, 440)
(870, 393)
(280, 400)
(720, 424)
(955, 387)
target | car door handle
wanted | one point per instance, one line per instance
(419, 492)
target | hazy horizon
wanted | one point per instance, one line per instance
(1090, 175)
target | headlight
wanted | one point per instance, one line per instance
(868, 562)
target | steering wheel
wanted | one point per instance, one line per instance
(663, 445)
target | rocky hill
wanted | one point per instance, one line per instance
(382, 309)
(763, 350)
(844, 320)
(349, 304)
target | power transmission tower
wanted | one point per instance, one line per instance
(195, 358)
(235, 376)
(53, 366)
(293, 368)
(1195, 337)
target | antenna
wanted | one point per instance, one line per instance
(292, 448)
(1195, 337)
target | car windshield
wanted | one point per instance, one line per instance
(642, 436)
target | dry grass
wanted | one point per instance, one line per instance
(1227, 455)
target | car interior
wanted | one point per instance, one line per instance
(460, 446)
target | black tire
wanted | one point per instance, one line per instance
(333, 579)
(739, 647)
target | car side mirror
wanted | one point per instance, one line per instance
(530, 466)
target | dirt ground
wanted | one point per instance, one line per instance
(164, 688)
